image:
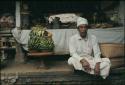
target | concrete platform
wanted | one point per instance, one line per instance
(58, 73)
(52, 66)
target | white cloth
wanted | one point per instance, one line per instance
(81, 20)
(61, 37)
(83, 47)
(64, 18)
(104, 65)
(88, 49)
(22, 37)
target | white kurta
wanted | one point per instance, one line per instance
(88, 49)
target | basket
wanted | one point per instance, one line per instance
(112, 50)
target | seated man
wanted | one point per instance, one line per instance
(85, 52)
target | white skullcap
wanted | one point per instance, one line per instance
(81, 20)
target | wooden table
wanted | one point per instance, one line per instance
(40, 55)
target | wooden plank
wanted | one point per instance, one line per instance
(7, 48)
(5, 32)
(6, 35)
(39, 54)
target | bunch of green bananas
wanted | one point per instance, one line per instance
(40, 39)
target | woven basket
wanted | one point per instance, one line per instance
(112, 50)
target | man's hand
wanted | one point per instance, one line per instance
(97, 68)
(85, 65)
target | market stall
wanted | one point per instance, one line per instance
(109, 39)
(61, 37)
(106, 21)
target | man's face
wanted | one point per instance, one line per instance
(83, 30)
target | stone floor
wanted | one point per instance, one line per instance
(57, 73)
(32, 66)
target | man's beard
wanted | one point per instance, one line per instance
(83, 34)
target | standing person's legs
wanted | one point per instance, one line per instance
(24, 55)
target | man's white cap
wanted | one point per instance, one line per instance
(81, 20)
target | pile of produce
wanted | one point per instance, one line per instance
(40, 39)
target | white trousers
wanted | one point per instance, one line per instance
(104, 65)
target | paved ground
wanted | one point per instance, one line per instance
(58, 73)
(33, 66)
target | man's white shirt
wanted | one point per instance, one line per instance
(84, 47)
